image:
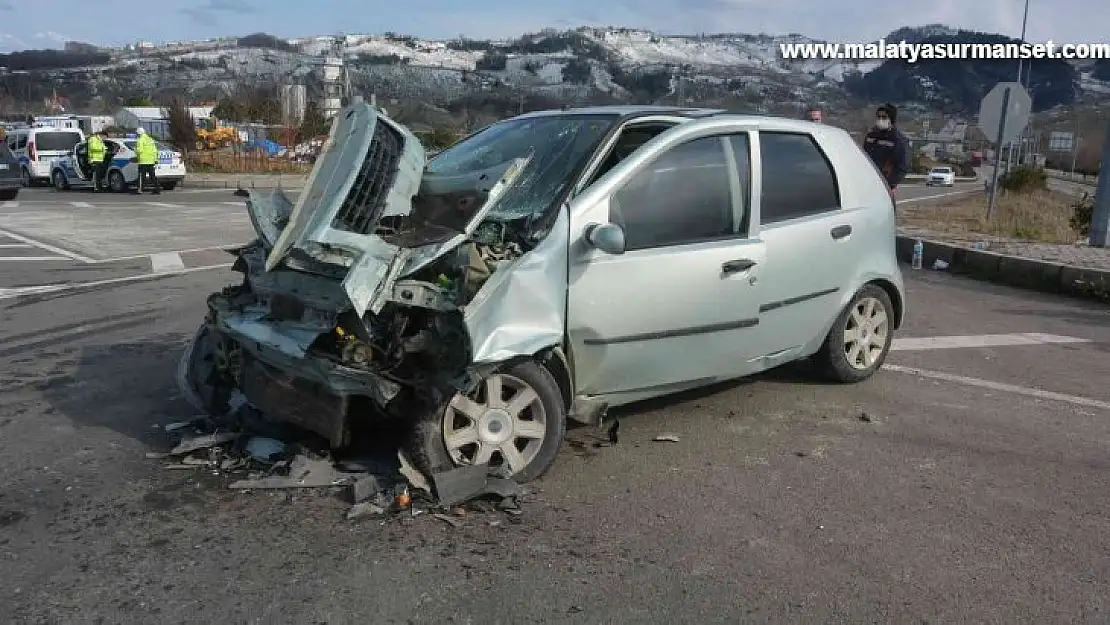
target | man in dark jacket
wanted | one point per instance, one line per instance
(888, 147)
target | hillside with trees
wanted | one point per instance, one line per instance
(958, 86)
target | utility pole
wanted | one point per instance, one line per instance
(1075, 147)
(1100, 220)
(1001, 134)
(1024, 23)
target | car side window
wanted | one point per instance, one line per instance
(681, 197)
(22, 143)
(798, 179)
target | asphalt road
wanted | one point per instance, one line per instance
(50, 239)
(967, 482)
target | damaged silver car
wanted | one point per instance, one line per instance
(548, 267)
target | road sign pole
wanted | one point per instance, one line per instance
(1001, 133)
(1100, 220)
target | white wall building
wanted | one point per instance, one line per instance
(153, 119)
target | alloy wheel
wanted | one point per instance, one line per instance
(866, 333)
(503, 423)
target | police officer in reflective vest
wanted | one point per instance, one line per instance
(98, 154)
(146, 154)
(888, 147)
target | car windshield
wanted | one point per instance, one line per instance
(56, 141)
(941, 170)
(558, 144)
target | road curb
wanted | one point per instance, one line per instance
(287, 183)
(1025, 273)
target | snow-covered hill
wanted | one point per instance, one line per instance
(571, 65)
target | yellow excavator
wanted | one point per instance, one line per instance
(215, 136)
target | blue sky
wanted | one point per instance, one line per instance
(48, 23)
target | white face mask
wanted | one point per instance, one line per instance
(882, 124)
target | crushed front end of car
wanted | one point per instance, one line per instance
(381, 293)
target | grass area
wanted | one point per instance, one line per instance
(213, 162)
(1041, 216)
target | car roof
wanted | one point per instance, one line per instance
(625, 110)
(631, 111)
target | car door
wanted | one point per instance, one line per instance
(811, 242)
(674, 309)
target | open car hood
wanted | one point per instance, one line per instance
(368, 207)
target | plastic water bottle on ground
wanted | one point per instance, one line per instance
(918, 253)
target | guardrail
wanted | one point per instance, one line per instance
(1070, 177)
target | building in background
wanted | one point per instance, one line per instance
(94, 123)
(153, 119)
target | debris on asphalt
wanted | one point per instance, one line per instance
(360, 510)
(458, 485)
(264, 449)
(204, 441)
(304, 472)
(413, 476)
(244, 447)
(453, 522)
(364, 488)
(866, 418)
(939, 265)
(613, 431)
(666, 438)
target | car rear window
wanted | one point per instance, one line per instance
(56, 141)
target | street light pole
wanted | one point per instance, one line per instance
(1024, 23)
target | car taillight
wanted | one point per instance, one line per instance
(31, 153)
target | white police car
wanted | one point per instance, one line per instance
(73, 171)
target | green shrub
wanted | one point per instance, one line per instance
(1082, 213)
(1024, 180)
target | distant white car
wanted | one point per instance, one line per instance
(72, 170)
(943, 176)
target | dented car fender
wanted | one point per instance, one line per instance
(521, 309)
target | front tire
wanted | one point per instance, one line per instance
(514, 422)
(10, 194)
(860, 339)
(116, 182)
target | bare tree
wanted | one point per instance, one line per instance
(183, 128)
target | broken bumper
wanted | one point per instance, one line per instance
(278, 376)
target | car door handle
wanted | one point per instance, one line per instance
(737, 266)
(840, 232)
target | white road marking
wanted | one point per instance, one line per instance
(166, 262)
(9, 246)
(998, 386)
(239, 203)
(981, 340)
(80, 205)
(28, 258)
(10, 293)
(10, 205)
(164, 205)
(45, 246)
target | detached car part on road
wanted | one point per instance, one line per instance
(549, 266)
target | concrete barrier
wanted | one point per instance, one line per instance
(1026, 273)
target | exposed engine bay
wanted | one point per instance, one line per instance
(354, 299)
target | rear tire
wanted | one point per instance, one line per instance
(169, 186)
(542, 430)
(10, 194)
(858, 343)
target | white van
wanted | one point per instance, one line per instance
(36, 149)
